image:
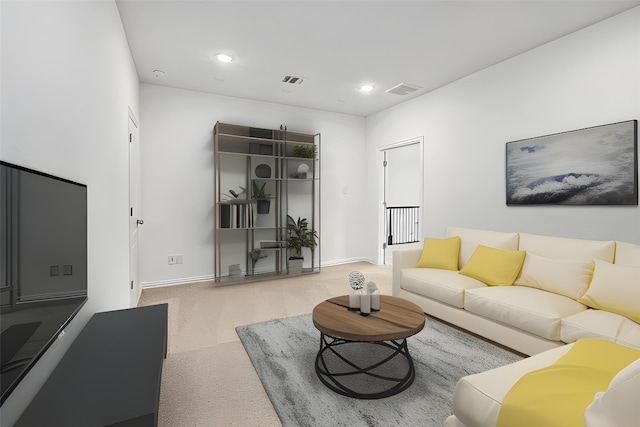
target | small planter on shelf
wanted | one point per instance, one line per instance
(262, 197)
(264, 206)
(295, 265)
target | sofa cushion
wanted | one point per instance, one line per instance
(615, 288)
(470, 238)
(495, 267)
(561, 276)
(627, 254)
(618, 405)
(528, 309)
(440, 253)
(441, 285)
(600, 324)
(566, 248)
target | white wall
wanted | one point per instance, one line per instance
(176, 143)
(589, 78)
(67, 80)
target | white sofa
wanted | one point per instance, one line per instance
(540, 311)
(478, 398)
(541, 314)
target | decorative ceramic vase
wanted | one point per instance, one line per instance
(303, 170)
(374, 293)
(356, 281)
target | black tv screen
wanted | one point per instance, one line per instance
(43, 265)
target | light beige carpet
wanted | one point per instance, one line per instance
(208, 379)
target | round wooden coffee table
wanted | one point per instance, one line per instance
(366, 356)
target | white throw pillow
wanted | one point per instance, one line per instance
(615, 288)
(561, 276)
(618, 406)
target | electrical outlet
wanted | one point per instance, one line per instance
(54, 270)
(175, 259)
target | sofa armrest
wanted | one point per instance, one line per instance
(402, 259)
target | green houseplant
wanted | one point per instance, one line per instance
(261, 196)
(299, 236)
(304, 151)
(255, 255)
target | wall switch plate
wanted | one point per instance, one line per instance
(54, 270)
(67, 270)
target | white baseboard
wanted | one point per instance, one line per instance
(211, 277)
(347, 261)
(181, 281)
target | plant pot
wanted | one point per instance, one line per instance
(263, 206)
(295, 266)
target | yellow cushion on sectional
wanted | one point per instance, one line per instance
(495, 267)
(440, 253)
(615, 288)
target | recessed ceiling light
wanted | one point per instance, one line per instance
(158, 73)
(366, 88)
(223, 57)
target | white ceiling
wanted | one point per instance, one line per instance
(336, 46)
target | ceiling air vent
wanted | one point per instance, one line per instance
(292, 80)
(403, 89)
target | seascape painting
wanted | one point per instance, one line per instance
(593, 166)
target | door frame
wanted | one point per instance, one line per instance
(382, 235)
(134, 282)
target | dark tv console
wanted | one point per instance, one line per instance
(110, 375)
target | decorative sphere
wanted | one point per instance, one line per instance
(356, 280)
(303, 168)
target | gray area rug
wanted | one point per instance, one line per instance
(283, 352)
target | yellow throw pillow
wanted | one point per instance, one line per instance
(615, 288)
(495, 267)
(440, 253)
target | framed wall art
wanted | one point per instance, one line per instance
(592, 166)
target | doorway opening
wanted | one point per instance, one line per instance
(402, 196)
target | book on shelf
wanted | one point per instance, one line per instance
(236, 215)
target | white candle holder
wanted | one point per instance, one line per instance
(354, 300)
(365, 304)
(374, 294)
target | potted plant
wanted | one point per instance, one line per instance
(255, 255)
(262, 197)
(303, 151)
(299, 236)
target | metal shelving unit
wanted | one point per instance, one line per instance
(244, 156)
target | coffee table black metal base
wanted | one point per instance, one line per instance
(364, 369)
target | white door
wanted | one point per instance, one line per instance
(402, 196)
(134, 215)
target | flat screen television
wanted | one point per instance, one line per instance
(43, 265)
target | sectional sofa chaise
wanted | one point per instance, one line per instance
(532, 293)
